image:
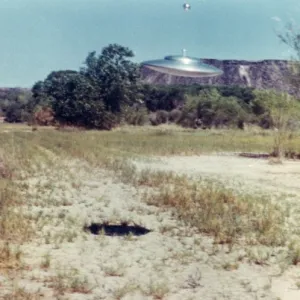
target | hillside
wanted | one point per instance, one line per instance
(264, 74)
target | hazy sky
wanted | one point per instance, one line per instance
(38, 36)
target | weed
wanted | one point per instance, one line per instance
(116, 270)
(121, 292)
(69, 282)
(79, 285)
(10, 256)
(230, 266)
(46, 261)
(157, 290)
(22, 294)
(294, 252)
(194, 279)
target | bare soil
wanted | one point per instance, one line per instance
(252, 173)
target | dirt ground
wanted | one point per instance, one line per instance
(252, 173)
(171, 262)
(249, 175)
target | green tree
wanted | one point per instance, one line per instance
(291, 37)
(94, 96)
(15, 108)
(213, 110)
(74, 100)
(282, 110)
(162, 97)
(114, 77)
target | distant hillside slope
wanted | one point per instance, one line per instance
(265, 74)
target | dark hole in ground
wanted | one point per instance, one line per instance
(117, 230)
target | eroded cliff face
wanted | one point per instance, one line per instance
(265, 74)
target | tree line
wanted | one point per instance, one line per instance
(108, 90)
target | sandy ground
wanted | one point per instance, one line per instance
(249, 172)
(171, 262)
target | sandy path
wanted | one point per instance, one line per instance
(249, 172)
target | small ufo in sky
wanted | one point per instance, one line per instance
(182, 65)
(186, 6)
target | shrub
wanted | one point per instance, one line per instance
(162, 116)
(175, 115)
(188, 119)
(211, 109)
(135, 115)
(13, 113)
(44, 116)
(228, 112)
(282, 111)
(153, 119)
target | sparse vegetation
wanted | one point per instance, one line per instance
(157, 289)
(215, 210)
(22, 294)
(14, 225)
(46, 261)
(230, 217)
(194, 279)
(124, 290)
(69, 282)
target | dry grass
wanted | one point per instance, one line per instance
(69, 282)
(215, 210)
(294, 252)
(94, 145)
(14, 225)
(22, 294)
(206, 206)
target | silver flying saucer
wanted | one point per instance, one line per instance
(186, 6)
(182, 65)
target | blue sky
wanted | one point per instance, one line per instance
(38, 36)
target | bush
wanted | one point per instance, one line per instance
(211, 109)
(188, 119)
(283, 112)
(44, 116)
(13, 113)
(135, 115)
(228, 112)
(175, 115)
(162, 116)
(162, 97)
(152, 119)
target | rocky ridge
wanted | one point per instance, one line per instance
(264, 74)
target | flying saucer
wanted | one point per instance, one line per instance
(186, 6)
(182, 65)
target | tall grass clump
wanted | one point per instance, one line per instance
(215, 210)
(14, 225)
